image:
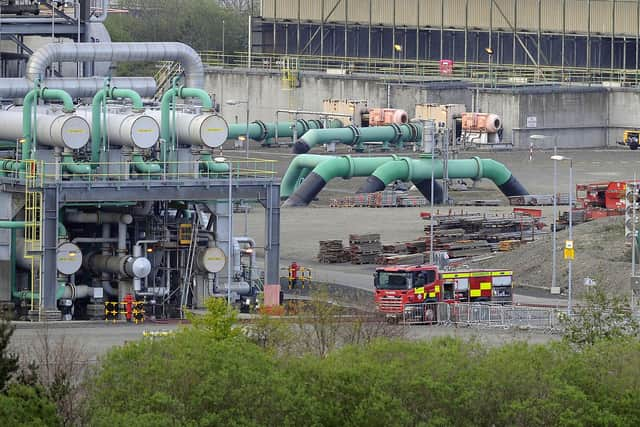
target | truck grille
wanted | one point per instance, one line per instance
(390, 304)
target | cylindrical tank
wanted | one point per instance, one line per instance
(387, 116)
(240, 288)
(68, 258)
(207, 129)
(428, 135)
(127, 265)
(210, 260)
(53, 129)
(130, 129)
(481, 122)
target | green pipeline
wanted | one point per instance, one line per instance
(28, 111)
(328, 167)
(71, 166)
(96, 116)
(261, 131)
(381, 171)
(210, 166)
(408, 169)
(142, 166)
(165, 113)
(351, 135)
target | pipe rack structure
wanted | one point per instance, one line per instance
(308, 174)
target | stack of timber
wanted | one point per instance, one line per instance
(364, 248)
(332, 252)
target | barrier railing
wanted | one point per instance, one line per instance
(484, 73)
(41, 172)
(483, 315)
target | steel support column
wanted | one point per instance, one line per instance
(49, 246)
(272, 235)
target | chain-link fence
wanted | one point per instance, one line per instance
(483, 315)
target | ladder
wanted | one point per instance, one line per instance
(33, 229)
(163, 77)
(188, 280)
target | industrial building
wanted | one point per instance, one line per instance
(115, 205)
(601, 34)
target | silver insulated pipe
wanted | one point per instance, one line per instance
(204, 129)
(84, 87)
(129, 129)
(107, 52)
(55, 129)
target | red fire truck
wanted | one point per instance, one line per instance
(398, 287)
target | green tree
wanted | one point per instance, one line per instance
(603, 316)
(22, 405)
(8, 362)
(197, 23)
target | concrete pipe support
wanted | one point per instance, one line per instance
(352, 135)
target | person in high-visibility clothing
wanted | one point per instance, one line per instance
(293, 274)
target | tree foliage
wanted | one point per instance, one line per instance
(197, 23)
(8, 362)
(23, 402)
(602, 316)
(211, 375)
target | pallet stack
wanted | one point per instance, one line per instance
(332, 252)
(381, 199)
(364, 248)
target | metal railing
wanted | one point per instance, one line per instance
(483, 315)
(40, 172)
(404, 69)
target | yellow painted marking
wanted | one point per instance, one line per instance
(485, 286)
(475, 292)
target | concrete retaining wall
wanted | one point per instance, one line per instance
(587, 117)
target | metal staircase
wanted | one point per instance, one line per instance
(188, 280)
(33, 230)
(165, 74)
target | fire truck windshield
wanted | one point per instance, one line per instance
(402, 280)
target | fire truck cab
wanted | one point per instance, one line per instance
(399, 287)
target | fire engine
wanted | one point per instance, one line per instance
(400, 287)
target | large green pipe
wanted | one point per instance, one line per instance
(296, 169)
(260, 131)
(165, 113)
(210, 166)
(12, 225)
(418, 170)
(96, 115)
(389, 169)
(142, 166)
(351, 135)
(71, 166)
(30, 100)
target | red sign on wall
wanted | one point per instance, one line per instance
(446, 67)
